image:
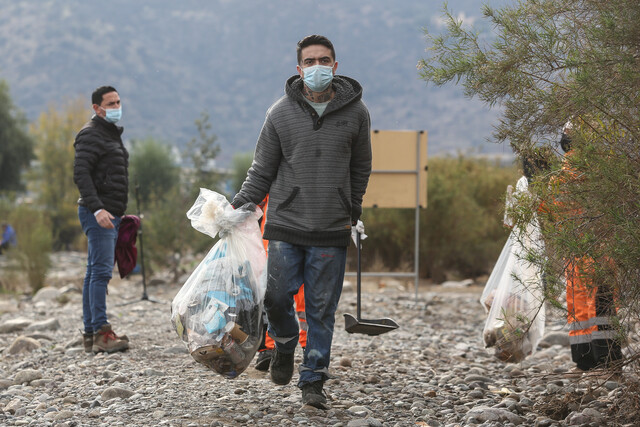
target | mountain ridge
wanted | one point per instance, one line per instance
(171, 61)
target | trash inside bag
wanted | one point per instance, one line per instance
(513, 296)
(218, 311)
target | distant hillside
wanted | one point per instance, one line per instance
(172, 60)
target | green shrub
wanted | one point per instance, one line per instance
(463, 222)
(168, 234)
(35, 240)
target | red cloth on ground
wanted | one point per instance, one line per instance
(126, 251)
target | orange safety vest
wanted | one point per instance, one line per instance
(589, 310)
(298, 298)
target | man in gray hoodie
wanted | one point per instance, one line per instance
(313, 158)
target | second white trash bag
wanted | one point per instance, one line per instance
(218, 311)
(513, 294)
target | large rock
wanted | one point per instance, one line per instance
(45, 325)
(26, 376)
(457, 283)
(14, 325)
(13, 406)
(555, 338)
(8, 306)
(115, 392)
(46, 294)
(486, 414)
(23, 344)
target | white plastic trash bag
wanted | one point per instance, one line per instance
(218, 311)
(513, 295)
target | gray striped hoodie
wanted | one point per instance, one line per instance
(315, 169)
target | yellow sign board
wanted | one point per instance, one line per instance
(399, 170)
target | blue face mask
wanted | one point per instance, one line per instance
(112, 114)
(318, 77)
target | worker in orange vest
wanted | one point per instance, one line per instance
(265, 350)
(590, 308)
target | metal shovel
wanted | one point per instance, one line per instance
(358, 325)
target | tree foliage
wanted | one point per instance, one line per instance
(35, 238)
(16, 147)
(52, 179)
(200, 154)
(550, 61)
(240, 164)
(463, 220)
(153, 171)
(154, 183)
(558, 61)
(166, 191)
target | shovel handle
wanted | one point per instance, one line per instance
(358, 276)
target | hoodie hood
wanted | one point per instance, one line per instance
(347, 91)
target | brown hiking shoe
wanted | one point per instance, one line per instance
(87, 341)
(107, 340)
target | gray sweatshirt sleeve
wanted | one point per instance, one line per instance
(264, 167)
(360, 166)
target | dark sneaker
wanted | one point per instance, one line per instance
(313, 395)
(87, 341)
(281, 367)
(264, 359)
(106, 340)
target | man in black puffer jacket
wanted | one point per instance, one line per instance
(100, 171)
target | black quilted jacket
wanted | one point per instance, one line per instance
(100, 168)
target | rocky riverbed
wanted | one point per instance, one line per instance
(432, 371)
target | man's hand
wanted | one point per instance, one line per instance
(104, 219)
(355, 229)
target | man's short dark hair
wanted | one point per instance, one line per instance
(96, 96)
(565, 142)
(314, 39)
(533, 164)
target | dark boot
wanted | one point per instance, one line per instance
(313, 395)
(281, 367)
(264, 359)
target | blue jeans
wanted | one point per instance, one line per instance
(321, 269)
(100, 262)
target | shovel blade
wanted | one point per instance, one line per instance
(368, 326)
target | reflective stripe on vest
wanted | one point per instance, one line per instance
(576, 326)
(595, 335)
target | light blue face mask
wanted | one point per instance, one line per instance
(112, 114)
(318, 77)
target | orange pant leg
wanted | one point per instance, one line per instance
(299, 301)
(302, 316)
(581, 303)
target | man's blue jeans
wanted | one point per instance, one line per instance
(100, 262)
(321, 269)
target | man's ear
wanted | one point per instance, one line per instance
(300, 72)
(97, 110)
(335, 67)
